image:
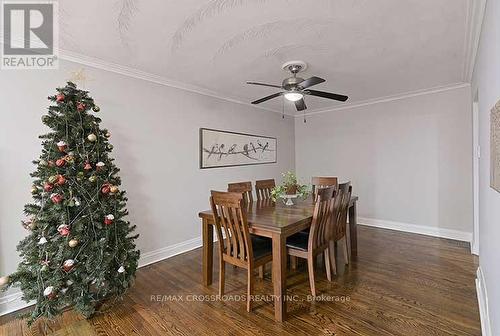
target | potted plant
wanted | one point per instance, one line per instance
(289, 188)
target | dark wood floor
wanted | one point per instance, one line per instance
(401, 284)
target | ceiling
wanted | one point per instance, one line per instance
(364, 48)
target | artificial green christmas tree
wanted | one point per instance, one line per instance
(80, 249)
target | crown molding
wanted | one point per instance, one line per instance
(386, 99)
(139, 74)
(474, 22)
(101, 64)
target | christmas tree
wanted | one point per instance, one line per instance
(80, 250)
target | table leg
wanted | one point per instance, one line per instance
(279, 276)
(208, 252)
(353, 229)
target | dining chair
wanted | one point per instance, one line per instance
(322, 182)
(244, 188)
(308, 245)
(339, 222)
(236, 245)
(263, 189)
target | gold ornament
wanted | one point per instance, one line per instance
(34, 189)
(113, 189)
(4, 281)
(108, 135)
(96, 108)
(53, 178)
(93, 178)
(42, 162)
(92, 137)
(73, 243)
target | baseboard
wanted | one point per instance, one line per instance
(12, 302)
(420, 229)
(169, 251)
(482, 298)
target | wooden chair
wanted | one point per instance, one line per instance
(263, 189)
(322, 182)
(339, 222)
(236, 245)
(244, 188)
(309, 245)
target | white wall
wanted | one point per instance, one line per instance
(155, 131)
(409, 159)
(486, 83)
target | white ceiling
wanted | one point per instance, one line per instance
(364, 48)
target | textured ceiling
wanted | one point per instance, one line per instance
(364, 48)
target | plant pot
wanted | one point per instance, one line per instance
(291, 190)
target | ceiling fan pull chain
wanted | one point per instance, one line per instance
(283, 108)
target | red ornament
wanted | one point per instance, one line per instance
(63, 230)
(106, 188)
(60, 98)
(56, 198)
(60, 180)
(48, 187)
(108, 220)
(60, 162)
(87, 166)
(61, 145)
(68, 265)
(80, 107)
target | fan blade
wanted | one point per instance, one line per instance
(311, 81)
(264, 84)
(328, 95)
(267, 98)
(300, 105)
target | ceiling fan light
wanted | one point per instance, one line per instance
(293, 96)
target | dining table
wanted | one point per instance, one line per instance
(277, 221)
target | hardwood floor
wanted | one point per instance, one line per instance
(400, 284)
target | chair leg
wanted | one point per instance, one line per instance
(261, 271)
(333, 259)
(293, 262)
(346, 251)
(249, 289)
(222, 273)
(310, 266)
(326, 256)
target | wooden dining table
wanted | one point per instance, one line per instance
(276, 221)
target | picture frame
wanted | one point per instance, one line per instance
(219, 148)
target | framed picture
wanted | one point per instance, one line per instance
(495, 147)
(227, 149)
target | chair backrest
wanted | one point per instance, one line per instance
(341, 209)
(263, 189)
(231, 226)
(244, 188)
(320, 233)
(322, 182)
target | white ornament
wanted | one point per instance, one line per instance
(61, 143)
(121, 269)
(42, 241)
(48, 291)
(92, 137)
(110, 217)
(64, 290)
(100, 164)
(77, 202)
(4, 280)
(69, 283)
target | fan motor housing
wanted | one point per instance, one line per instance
(292, 83)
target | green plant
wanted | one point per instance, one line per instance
(289, 186)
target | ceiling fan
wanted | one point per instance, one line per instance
(295, 88)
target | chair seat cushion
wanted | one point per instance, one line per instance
(261, 246)
(298, 241)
